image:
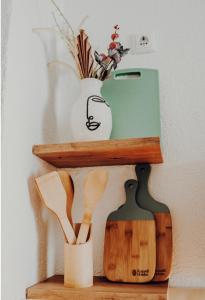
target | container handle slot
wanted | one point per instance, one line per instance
(129, 75)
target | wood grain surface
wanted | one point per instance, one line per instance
(110, 152)
(52, 192)
(69, 189)
(164, 246)
(93, 187)
(163, 221)
(53, 289)
(130, 250)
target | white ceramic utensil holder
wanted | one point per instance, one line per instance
(78, 263)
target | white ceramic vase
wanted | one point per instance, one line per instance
(91, 117)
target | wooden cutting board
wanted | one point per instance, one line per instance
(163, 223)
(133, 96)
(130, 244)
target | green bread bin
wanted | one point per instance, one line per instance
(133, 95)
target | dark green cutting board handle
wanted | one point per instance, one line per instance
(130, 210)
(143, 197)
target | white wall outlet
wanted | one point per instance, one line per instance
(142, 43)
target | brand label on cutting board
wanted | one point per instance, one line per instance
(140, 272)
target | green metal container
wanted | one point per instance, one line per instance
(133, 95)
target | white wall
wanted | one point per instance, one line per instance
(33, 115)
(28, 240)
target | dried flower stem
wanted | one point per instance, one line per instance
(82, 22)
(60, 63)
(64, 18)
(70, 40)
(70, 45)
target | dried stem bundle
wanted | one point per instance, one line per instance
(81, 51)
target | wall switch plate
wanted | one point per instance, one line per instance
(142, 43)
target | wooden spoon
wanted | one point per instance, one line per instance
(53, 194)
(69, 188)
(94, 186)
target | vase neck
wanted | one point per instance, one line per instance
(91, 85)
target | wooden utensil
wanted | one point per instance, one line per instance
(53, 194)
(163, 223)
(69, 189)
(94, 186)
(130, 244)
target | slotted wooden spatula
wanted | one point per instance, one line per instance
(94, 186)
(130, 244)
(163, 223)
(53, 194)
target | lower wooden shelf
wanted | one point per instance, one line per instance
(53, 289)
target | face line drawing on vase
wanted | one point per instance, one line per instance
(93, 125)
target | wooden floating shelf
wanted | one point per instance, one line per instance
(53, 289)
(101, 153)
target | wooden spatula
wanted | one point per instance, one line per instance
(53, 194)
(130, 244)
(94, 186)
(163, 223)
(69, 189)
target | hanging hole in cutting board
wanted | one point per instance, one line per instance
(130, 186)
(130, 75)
